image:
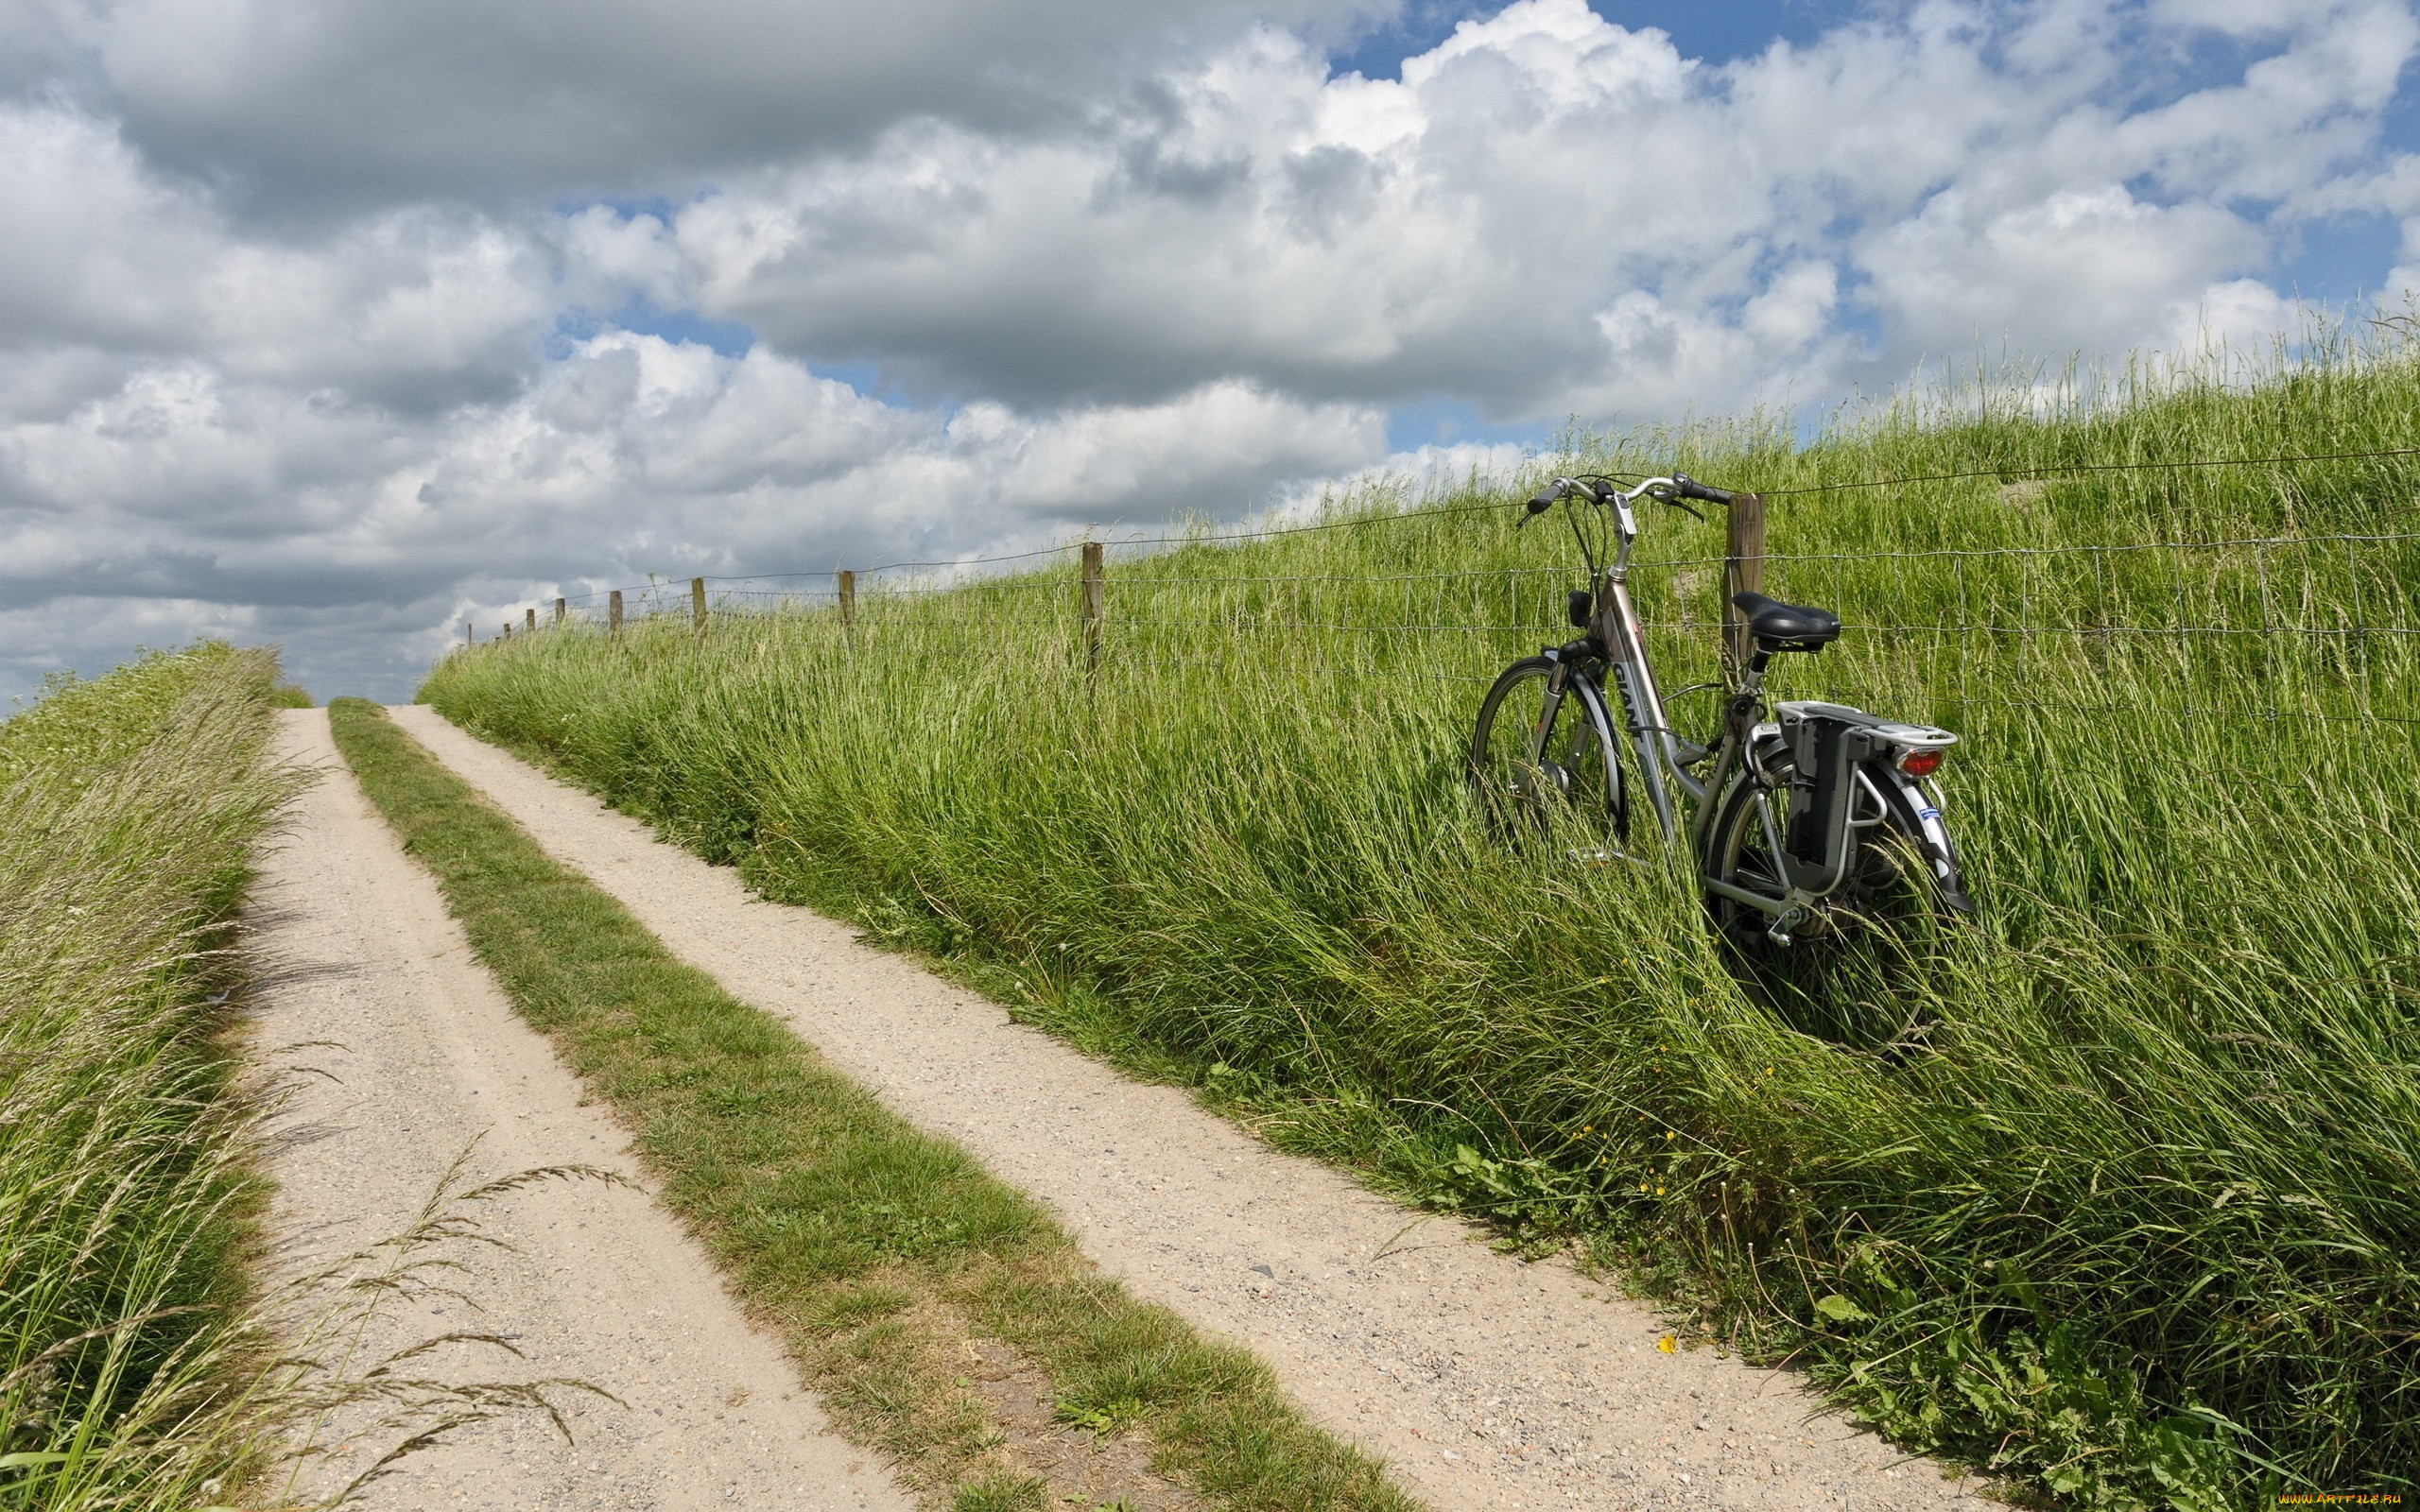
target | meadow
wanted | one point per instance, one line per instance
(2132, 1226)
(135, 1356)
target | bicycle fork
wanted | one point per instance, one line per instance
(1549, 707)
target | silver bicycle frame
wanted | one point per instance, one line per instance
(1660, 757)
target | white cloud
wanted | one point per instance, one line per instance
(2242, 317)
(1403, 477)
(313, 321)
(1547, 210)
(2237, 18)
(2087, 267)
(93, 248)
(1795, 308)
(632, 455)
(416, 305)
(343, 102)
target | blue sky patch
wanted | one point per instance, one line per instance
(1441, 419)
(731, 338)
(1714, 30)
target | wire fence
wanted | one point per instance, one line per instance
(2320, 626)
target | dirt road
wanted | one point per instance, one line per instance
(1488, 1383)
(601, 1285)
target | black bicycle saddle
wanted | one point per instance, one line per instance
(1787, 626)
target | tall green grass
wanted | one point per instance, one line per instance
(134, 1361)
(2135, 1228)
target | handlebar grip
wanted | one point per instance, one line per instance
(1685, 487)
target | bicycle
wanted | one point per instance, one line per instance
(1814, 823)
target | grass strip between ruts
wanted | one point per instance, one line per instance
(880, 1253)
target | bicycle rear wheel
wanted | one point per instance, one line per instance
(1576, 778)
(1851, 973)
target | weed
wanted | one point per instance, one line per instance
(1002, 1492)
(131, 1353)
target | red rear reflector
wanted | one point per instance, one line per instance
(1920, 763)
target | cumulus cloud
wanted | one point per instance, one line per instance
(1548, 214)
(417, 306)
(185, 492)
(340, 321)
(316, 102)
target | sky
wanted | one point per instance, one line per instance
(339, 324)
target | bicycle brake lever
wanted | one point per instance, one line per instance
(1683, 508)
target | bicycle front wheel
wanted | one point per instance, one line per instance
(1522, 788)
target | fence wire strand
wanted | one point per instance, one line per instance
(2281, 625)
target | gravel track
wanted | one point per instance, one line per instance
(1489, 1383)
(355, 947)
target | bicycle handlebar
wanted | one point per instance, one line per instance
(1672, 490)
(1685, 487)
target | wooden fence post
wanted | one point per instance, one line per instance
(530, 621)
(1743, 572)
(613, 613)
(698, 605)
(508, 629)
(848, 598)
(559, 610)
(466, 634)
(1092, 606)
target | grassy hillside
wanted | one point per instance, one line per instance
(2135, 1227)
(130, 1366)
